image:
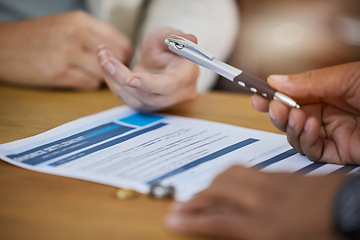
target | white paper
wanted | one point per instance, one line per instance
(127, 149)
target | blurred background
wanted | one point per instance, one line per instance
(292, 36)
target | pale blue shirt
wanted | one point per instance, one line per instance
(12, 10)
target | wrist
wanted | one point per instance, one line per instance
(347, 208)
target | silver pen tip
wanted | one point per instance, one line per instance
(285, 99)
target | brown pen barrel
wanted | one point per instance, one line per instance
(255, 85)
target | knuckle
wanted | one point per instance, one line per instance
(234, 169)
(74, 30)
(68, 50)
(55, 70)
(76, 22)
(86, 83)
(231, 171)
(78, 15)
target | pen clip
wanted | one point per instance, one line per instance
(180, 43)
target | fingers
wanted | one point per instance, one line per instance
(259, 103)
(229, 208)
(116, 74)
(74, 58)
(294, 129)
(77, 79)
(160, 84)
(159, 80)
(302, 128)
(60, 46)
(307, 137)
(210, 224)
(279, 114)
(144, 89)
(311, 86)
(303, 132)
(170, 80)
(93, 32)
(85, 61)
(321, 134)
(242, 192)
(293, 122)
(311, 140)
(84, 36)
(128, 86)
(158, 91)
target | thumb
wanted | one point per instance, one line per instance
(296, 86)
(319, 83)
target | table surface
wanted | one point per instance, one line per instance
(41, 206)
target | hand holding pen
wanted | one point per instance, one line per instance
(158, 79)
(194, 53)
(326, 128)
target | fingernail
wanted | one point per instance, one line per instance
(102, 52)
(172, 220)
(134, 83)
(278, 78)
(176, 206)
(291, 122)
(101, 46)
(108, 66)
(102, 56)
(272, 117)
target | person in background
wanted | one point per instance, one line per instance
(53, 44)
(248, 204)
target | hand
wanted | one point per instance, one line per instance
(57, 50)
(327, 127)
(160, 79)
(246, 204)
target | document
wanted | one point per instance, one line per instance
(128, 149)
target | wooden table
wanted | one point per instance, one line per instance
(41, 206)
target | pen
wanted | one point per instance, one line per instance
(194, 53)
